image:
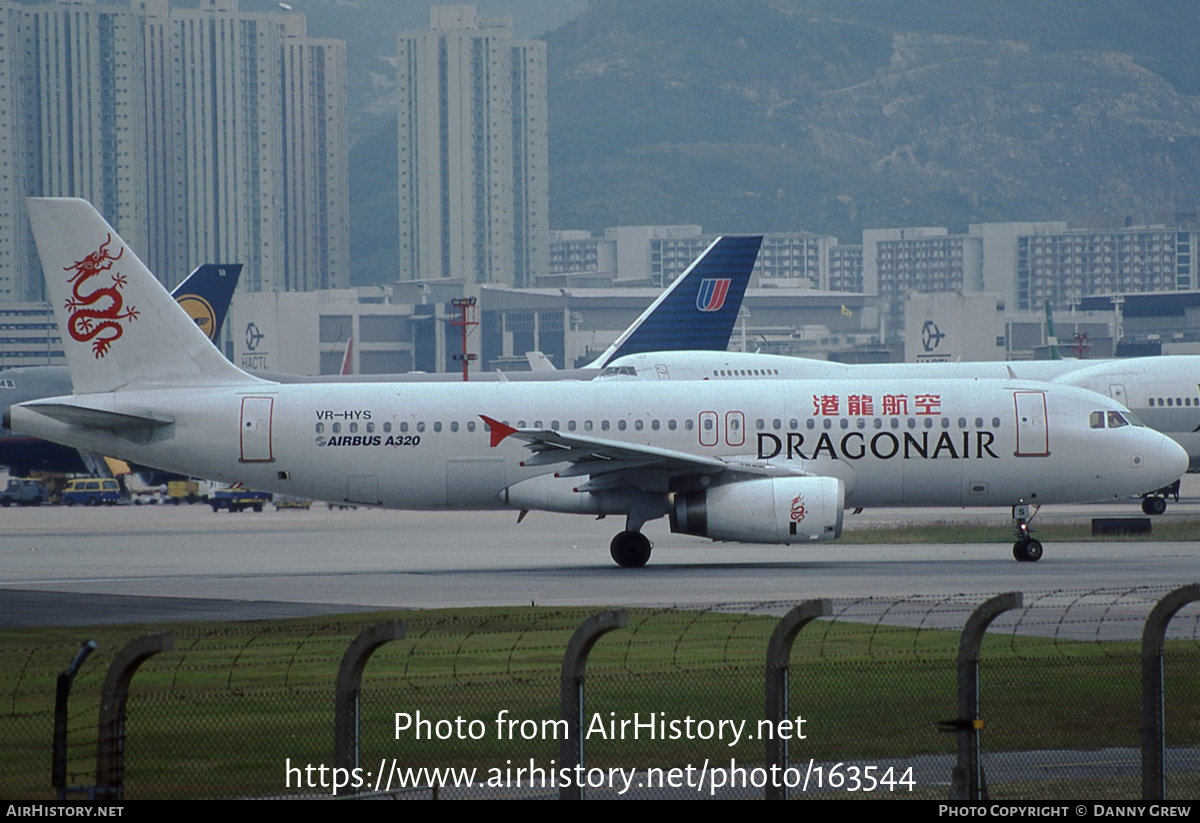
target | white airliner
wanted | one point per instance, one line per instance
(768, 461)
(1164, 392)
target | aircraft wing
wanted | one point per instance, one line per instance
(609, 462)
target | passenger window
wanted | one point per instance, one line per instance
(654, 424)
(320, 428)
(470, 425)
(337, 427)
(979, 422)
(554, 425)
(437, 426)
(421, 426)
(810, 423)
(895, 422)
(945, 422)
(571, 425)
(387, 427)
(877, 423)
(370, 427)
(454, 426)
(777, 424)
(962, 422)
(403, 427)
(862, 423)
(621, 425)
(1097, 420)
(603, 425)
(828, 423)
(689, 424)
(587, 425)
(353, 427)
(793, 424)
(995, 422)
(760, 424)
(637, 425)
(929, 422)
(671, 424)
(844, 423)
(912, 422)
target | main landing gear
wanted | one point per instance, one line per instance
(1027, 548)
(630, 549)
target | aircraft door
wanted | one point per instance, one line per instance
(735, 428)
(1117, 392)
(660, 369)
(708, 429)
(256, 429)
(1033, 436)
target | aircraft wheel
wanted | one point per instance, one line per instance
(630, 550)
(1027, 551)
(1154, 505)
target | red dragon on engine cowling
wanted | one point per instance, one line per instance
(88, 321)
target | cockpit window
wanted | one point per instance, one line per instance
(1097, 420)
(1116, 421)
(618, 371)
(1133, 419)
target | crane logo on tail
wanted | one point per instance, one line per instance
(97, 316)
(713, 290)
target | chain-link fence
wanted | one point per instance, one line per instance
(674, 703)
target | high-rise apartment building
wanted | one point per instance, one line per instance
(473, 178)
(201, 134)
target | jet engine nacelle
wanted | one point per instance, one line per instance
(770, 510)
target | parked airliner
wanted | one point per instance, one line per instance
(769, 461)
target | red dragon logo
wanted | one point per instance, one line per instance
(88, 322)
(798, 508)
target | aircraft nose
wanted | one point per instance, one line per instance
(1171, 459)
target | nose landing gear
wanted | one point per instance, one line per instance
(1027, 548)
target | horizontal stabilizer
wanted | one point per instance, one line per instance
(85, 417)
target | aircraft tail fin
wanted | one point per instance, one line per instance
(539, 362)
(348, 359)
(206, 294)
(698, 310)
(121, 329)
(1051, 337)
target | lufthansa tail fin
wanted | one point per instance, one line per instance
(120, 327)
(206, 294)
(698, 311)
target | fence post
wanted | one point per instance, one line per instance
(110, 745)
(1154, 737)
(779, 653)
(574, 664)
(347, 700)
(967, 781)
(62, 693)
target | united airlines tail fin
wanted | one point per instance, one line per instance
(698, 311)
(121, 329)
(206, 294)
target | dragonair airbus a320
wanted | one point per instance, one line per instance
(747, 462)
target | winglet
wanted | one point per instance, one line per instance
(499, 430)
